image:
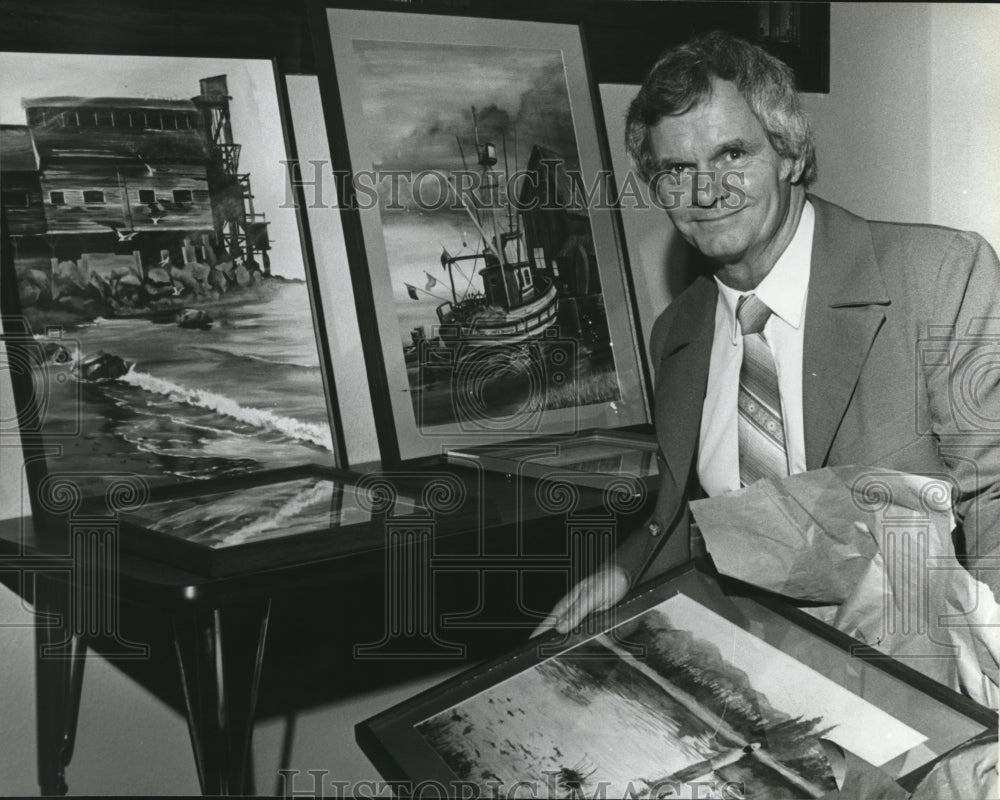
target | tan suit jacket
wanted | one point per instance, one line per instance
(901, 369)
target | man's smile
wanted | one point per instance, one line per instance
(713, 218)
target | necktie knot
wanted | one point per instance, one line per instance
(752, 313)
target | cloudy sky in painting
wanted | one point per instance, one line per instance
(418, 97)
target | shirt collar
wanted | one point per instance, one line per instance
(785, 287)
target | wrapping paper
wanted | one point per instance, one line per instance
(857, 779)
(874, 548)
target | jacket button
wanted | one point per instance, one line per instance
(654, 528)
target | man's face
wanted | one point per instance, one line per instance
(734, 213)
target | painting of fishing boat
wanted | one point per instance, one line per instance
(156, 269)
(500, 298)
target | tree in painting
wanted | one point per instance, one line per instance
(678, 720)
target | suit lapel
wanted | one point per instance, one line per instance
(682, 378)
(844, 311)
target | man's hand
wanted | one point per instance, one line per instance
(595, 593)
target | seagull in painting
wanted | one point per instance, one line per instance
(123, 234)
(158, 212)
(150, 169)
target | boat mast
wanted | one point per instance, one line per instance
(487, 158)
(486, 154)
(511, 225)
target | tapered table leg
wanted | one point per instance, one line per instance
(220, 652)
(60, 655)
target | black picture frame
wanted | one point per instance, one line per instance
(729, 633)
(235, 525)
(182, 30)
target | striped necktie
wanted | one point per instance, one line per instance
(761, 432)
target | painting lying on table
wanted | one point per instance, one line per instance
(162, 280)
(683, 690)
(237, 516)
(708, 702)
(499, 291)
(593, 458)
(266, 520)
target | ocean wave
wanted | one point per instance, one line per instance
(259, 418)
(292, 508)
(281, 362)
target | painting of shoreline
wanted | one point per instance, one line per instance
(707, 704)
(162, 280)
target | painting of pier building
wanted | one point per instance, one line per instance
(164, 308)
(155, 179)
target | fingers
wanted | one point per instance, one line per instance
(596, 593)
(567, 600)
(546, 624)
(557, 614)
(587, 598)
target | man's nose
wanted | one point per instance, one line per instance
(707, 189)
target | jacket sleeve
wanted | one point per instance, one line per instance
(960, 361)
(658, 539)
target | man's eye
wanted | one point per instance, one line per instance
(735, 154)
(677, 169)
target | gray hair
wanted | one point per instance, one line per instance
(682, 78)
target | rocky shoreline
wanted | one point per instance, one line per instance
(72, 292)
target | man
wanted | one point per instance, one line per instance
(820, 339)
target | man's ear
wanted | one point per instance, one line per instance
(794, 168)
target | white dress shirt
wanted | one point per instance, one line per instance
(784, 291)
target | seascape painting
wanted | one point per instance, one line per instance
(708, 710)
(496, 290)
(226, 519)
(162, 279)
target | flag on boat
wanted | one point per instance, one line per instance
(412, 292)
(431, 281)
(445, 257)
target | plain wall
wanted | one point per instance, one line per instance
(908, 132)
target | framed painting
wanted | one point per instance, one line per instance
(486, 260)
(592, 458)
(681, 687)
(160, 291)
(234, 525)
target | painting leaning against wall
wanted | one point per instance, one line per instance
(161, 277)
(492, 262)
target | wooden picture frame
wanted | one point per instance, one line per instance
(594, 458)
(625, 699)
(211, 361)
(507, 336)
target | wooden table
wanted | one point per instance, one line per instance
(218, 627)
